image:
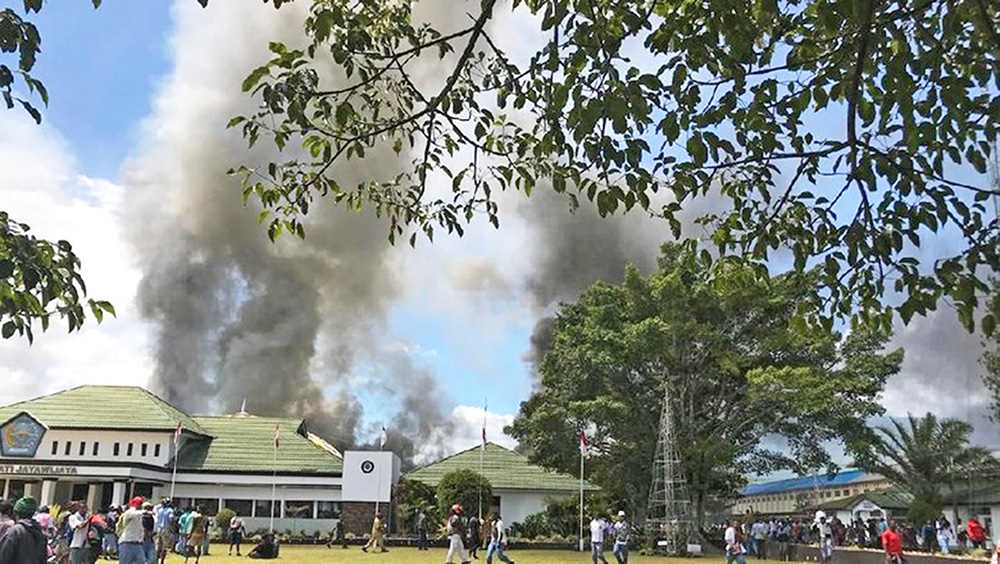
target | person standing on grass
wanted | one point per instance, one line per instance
(892, 544)
(422, 531)
(130, 534)
(623, 535)
(758, 534)
(734, 543)
(455, 535)
(195, 534)
(237, 530)
(498, 542)
(597, 528)
(944, 534)
(377, 539)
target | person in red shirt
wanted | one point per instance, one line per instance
(893, 545)
(977, 534)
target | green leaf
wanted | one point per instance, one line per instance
(8, 329)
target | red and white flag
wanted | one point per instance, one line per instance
(177, 436)
(277, 436)
(583, 443)
(484, 426)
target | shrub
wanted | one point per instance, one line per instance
(463, 487)
(222, 519)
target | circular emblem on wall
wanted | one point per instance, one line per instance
(368, 467)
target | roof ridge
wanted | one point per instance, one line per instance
(461, 452)
(160, 403)
(40, 396)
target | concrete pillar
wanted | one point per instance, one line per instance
(31, 489)
(93, 496)
(118, 493)
(48, 495)
(6, 489)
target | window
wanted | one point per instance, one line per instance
(208, 506)
(130, 450)
(83, 448)
(298, 509)
(97, 448)
(328, 509)
(156, 450)
(118, 449)
(144, 450)
(242, 507)
(69, 445)
(145, 489)
(55, 448)
(262, 508)
(80, 492)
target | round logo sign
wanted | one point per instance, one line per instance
(368, 467)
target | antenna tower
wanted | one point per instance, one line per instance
(668, 517)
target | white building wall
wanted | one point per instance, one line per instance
(515, 505)
(56, 441)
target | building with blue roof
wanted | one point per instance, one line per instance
(793, 495)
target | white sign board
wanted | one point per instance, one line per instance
(369, 475)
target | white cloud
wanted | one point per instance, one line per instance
(468, 431)
(40, 185)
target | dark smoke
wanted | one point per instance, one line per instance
(280, 325)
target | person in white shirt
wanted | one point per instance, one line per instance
(734, 543)
(623, 534)
(758, 532)
(498, 542)
(825, 533)
(131, 534)
(597, 527)
(79, 522)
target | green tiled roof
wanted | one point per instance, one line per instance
(104, 407)
(246, 443)
(505, 469)
(888, 499)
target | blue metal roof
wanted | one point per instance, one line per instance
(805, 482)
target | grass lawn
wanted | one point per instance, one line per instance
(353, 555)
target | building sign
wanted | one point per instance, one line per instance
(20, 436)
(369, 476)
(36, 470)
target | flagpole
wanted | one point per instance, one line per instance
(581, 499)
(177, 454)
(482, 450)
(274, 478)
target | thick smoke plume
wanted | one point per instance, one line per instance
(284, 326)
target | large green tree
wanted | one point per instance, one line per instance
(466, 488)
(741, 364)
(927, 457)
(848, 132)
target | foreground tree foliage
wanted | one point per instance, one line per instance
(991, 357)
(739, 364)
(39, 279)
(849, 132)
(927, 457)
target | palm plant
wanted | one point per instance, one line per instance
(927, 457)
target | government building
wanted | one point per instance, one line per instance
(104, 444)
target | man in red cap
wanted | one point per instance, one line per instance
(131, 534)
(456, 530)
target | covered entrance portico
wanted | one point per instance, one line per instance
(97, 486)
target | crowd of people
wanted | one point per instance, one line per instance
(775, 537)
(138, 533)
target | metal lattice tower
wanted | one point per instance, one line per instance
(668, 517)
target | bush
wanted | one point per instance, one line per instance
(411, 498)
(534, 526)
(463, 487)
(222, 519)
